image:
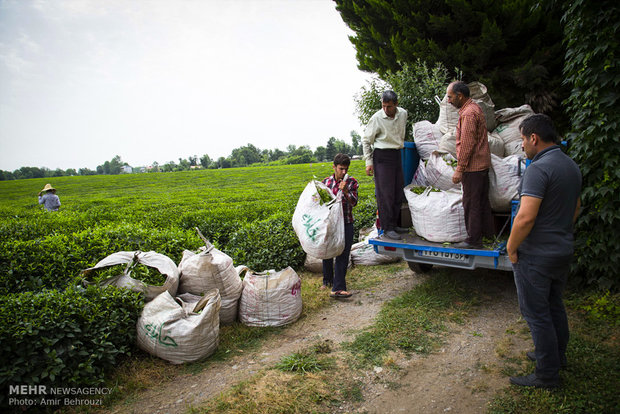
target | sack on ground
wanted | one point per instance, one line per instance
(212, 269)
(318, 221)
(437, 216)
(448, 115)
(270, 298)
(314, 265)
(426, 137)
(182, 330)
(161, 262)
(504, 181)
(439, 169)
(364, 254)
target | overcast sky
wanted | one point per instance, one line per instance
(157, 80)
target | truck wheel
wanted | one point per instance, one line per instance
(420, 267)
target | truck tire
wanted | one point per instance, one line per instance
(420, 267)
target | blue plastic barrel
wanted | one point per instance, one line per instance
(410, 160)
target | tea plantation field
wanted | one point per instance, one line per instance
(55, 331)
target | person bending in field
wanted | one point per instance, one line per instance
(48, 198)
(340, 181)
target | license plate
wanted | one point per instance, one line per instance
(453, 257)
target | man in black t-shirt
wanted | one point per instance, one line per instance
(540, 246)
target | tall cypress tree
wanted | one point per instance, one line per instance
(511, 46)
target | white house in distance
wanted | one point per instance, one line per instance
(126, 169)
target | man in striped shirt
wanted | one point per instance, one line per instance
(473, 161)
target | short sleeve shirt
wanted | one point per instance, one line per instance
(555, 178)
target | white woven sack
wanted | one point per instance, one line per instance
(507, 114)
(270, 298)
(419, 177)
(212, 269)
(426, 137)
(183, 330)
(448, 115)
(478, 94)
(439, 173)
(504, 181)
(496, 145)
(508, 123)
(161, 262)
(320, 228)
(364, 254)
(437, 216)
(513, 148)
(447, 143)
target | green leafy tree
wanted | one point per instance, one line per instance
(512, 47)
(205, 161)
(356, 143)
(319, 153)
(592, 70)
(246, 155)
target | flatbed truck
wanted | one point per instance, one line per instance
(421, 255)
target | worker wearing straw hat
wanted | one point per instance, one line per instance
(48, 198)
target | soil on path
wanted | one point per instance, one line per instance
(461, 377)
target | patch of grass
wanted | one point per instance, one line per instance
(303, 382)
(273, 391)
(414, 321)
(366, 277)
(302, 362)
(590, 383)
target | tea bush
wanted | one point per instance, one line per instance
(70, 337)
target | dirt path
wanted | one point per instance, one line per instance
(461, 378)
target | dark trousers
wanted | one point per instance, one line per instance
(540, 282)
(476, 205)
(342, 262)
(388, 186)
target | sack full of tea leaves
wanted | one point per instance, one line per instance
(440, 168)
(270, 298)
(448, 115)
(318, 221)
(437, 216)
(163, 264)
(504, 181)
(210, 269)
(181, 329)
(426, 137)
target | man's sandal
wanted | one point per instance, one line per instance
(339, 294)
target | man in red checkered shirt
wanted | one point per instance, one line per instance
(340, 181)
(473, 162)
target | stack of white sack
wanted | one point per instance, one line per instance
(212, 269)
(185, 329)
(364, 254)
(269, 298)
(437, 215)
(504, 141)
